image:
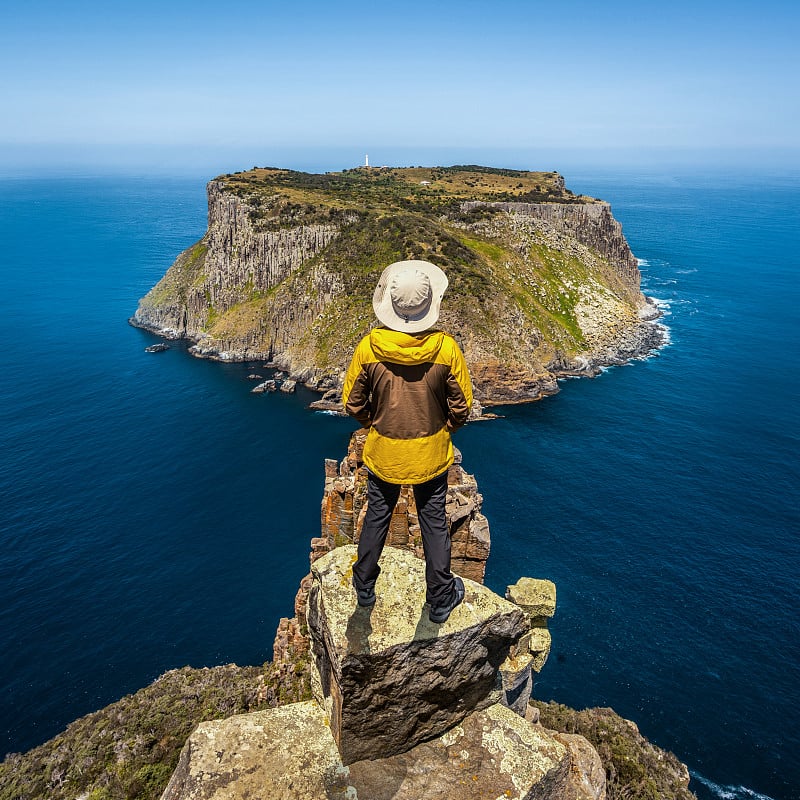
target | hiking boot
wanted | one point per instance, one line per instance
(366, 597)
(441, 613)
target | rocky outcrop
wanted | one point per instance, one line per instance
(344, 506)
(426, 711)
(131, 748)
(526, 657)
(537, 598)
(404, 708)
(289, 754)
(286, 271)
(342, 514)
(387, 676)
(587, 774)
(399, 696)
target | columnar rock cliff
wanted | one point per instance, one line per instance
(542, 283)
(342, 514)
(344, 507)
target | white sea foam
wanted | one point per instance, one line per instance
(729, 792)
(642, 262)
(664, 305)
(666, 341)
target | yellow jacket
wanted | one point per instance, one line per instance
(411, 391)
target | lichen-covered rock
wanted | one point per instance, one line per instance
(535, 596)
(288, 753)
(517, 682)
(490, 754)
(587, 777)
(539, 647)
(388, 677)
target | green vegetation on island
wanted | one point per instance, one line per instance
(542, 281)
(284, 198)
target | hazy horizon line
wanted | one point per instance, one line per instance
(31, 160)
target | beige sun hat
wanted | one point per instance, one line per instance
(408, 295)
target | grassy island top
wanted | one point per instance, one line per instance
(306, 197)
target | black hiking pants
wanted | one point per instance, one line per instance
(430, 498)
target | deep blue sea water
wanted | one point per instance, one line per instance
(155, 513)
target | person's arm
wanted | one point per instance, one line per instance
(459, 390)
(355, 393)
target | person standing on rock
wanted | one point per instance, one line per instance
(410, 386)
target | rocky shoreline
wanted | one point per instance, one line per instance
(640, 341)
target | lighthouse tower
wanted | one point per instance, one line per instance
(366, 160)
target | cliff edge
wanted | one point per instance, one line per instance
(358, 703)
(543, 283)
(404, 708)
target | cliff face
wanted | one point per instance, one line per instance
(220, 293)
(590, 224)
(287, 267)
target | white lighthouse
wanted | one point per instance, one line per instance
(366, 160)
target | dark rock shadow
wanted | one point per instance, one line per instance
(359, 628)
(425, 628)
(379, 780)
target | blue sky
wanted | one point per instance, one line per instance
(246, 79)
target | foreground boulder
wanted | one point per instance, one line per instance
(288, 753)
(387, 676)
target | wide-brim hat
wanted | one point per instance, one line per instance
(408, 295)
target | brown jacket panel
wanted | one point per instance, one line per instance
(397, 388)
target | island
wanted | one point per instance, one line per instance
(543, 284)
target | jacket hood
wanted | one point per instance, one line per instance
(405, 348)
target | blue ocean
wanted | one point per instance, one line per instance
(155, 513)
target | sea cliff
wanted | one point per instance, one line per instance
(380, 704)
(543, 283)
